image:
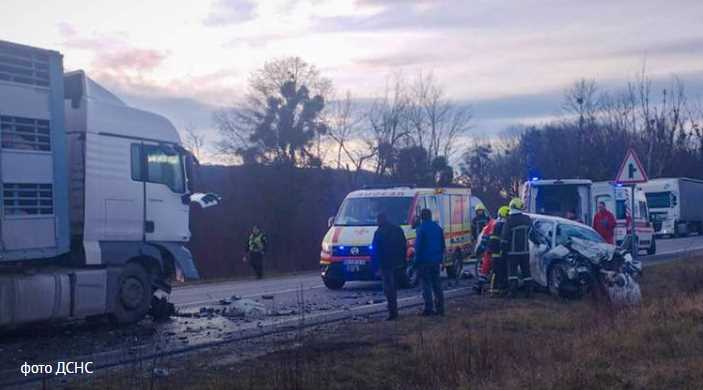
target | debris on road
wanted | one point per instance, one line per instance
(225, 302)
(267, 297)
(246, 308)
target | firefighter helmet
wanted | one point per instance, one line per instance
(516, 203)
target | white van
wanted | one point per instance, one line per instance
(346, 248)
(618, 201)
(559, 198)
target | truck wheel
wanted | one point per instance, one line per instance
(133, 295)
(333, 284)
(652, 247)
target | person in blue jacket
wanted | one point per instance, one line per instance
(429, 253)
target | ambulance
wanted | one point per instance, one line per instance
(346, 248)
(618, 200)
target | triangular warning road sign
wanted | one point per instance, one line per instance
(631, 170)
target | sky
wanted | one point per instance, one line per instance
(510, 59)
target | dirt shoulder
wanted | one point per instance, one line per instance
(482, 343)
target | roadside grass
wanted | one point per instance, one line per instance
(488, 343)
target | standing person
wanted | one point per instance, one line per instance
(390, 251)
(480, 220)
(493, 256)
(256, 246)
(516, 246)
(429, 253)
(604, 223)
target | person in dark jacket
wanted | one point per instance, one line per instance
(429, 253)
(516, 246)
(390, 251)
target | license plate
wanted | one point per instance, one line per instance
(353, 265)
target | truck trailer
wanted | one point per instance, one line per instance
(675, 206)
(95, 197)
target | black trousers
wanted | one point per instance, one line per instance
(390, 289)
(431, 287)
(522, 262)
(256, 259)
(500, 270)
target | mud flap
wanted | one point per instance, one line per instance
(183, 259)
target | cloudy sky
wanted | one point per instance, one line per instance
(510, 59)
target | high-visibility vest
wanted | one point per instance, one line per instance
(257, 242)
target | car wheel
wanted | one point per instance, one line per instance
(333, 284)
(556, 276)
(133, 297)
(652, 247)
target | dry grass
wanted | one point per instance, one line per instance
(497, 344)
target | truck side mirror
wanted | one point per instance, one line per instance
(330, 222)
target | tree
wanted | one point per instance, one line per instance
(194, 142)
(437, 121)
(280, 117)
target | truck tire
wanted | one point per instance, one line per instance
(652, 247)
(132, 298)
(333, 284)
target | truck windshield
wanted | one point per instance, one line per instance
(363, 211)
(658, 200)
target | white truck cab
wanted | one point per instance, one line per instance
(675, 205)
(95, 197)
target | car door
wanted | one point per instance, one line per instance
(166, 214)
(544, 229)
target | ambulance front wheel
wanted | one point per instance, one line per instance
(333, 284)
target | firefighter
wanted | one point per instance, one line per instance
(516, 248)
(489, 250)
(480, 220)
(389, 251)
(604, 223)
(256, 247)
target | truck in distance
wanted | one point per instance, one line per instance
(675, 205)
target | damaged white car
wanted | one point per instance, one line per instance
(571, 260)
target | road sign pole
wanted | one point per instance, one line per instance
(633, 232)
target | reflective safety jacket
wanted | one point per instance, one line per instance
(257, 242)
(515, 233)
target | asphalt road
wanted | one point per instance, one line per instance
(287, 288)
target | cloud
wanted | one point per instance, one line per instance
(129, 59)
(227, 12)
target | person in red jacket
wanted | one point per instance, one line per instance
(604, 223)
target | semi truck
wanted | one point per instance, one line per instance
(675, 206)
(94, 200)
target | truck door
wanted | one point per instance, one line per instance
(166, 214)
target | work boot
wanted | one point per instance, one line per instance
(427, 313)
(392, 317)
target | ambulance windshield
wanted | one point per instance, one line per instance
(363, 211)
